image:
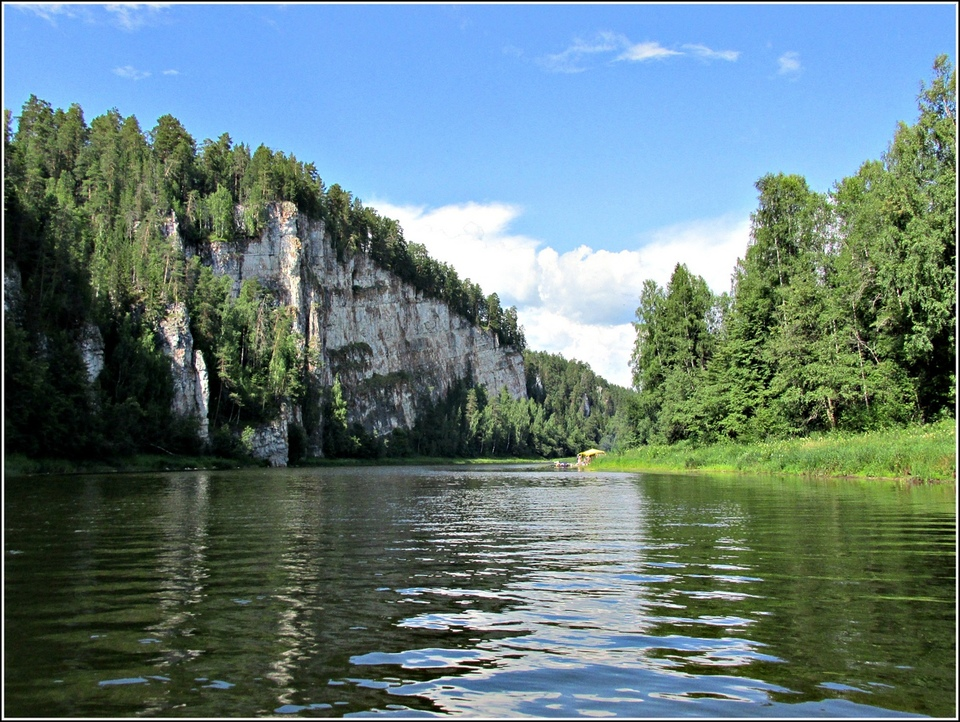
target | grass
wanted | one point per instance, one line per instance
(922, 453)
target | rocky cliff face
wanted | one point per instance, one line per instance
(391, 347)
(191, 392)
(89, 340)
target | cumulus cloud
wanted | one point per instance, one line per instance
(475, 239)
(789, 64)
(605, 348)
(709, 248)
(590, 286)
(131, 73)
(582, 302)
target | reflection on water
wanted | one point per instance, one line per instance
(491, 592)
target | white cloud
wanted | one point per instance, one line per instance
(132, 16)
(590, 286)
(789, 63)
(605, 348)
(569, 61)
(709, 248)
(579, 303)
(51, 11)
(647, 51)
(602, 42)
(613, 47)
(702, 51)
(171, 72)
(474, 239)
(128, 16)
(131, 73)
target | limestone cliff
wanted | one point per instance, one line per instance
(391, 346)
(191, 392)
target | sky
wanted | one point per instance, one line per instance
(558, 155)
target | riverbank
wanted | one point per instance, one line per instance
(419, 461)
(19, 465)
(921, 453)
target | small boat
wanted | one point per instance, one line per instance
(563, 464)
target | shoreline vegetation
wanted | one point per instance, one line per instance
(915, 453)
(918, 453)
(20, 465)
(840, 319)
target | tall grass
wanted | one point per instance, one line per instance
(926, 453)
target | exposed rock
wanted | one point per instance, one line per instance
(191, 390)
(170, 229)
(270, 443)
(91, 349)
(392, 347)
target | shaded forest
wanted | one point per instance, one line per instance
(568, 409)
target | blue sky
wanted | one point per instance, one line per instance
(556, 154)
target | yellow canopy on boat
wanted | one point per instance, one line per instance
(592, 452)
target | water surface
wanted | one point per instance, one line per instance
(493, 592)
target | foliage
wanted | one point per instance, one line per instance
(92, 214)
(568, 408)
(842, 315)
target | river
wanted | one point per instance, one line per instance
(498, 591)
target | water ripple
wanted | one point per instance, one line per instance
(490, 593)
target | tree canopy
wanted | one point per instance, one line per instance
(88, 214)
(842, 314)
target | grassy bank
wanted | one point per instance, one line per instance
(926, 453)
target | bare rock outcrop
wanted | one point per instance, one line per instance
(392, 347)
(191, 390)
(92, 350)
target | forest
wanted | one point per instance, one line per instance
(842, 314)
(568, 408)
(85, 213)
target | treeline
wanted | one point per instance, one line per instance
(842, 313)
(88, 211)
(567, 410)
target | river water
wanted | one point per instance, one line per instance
(477, 591)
